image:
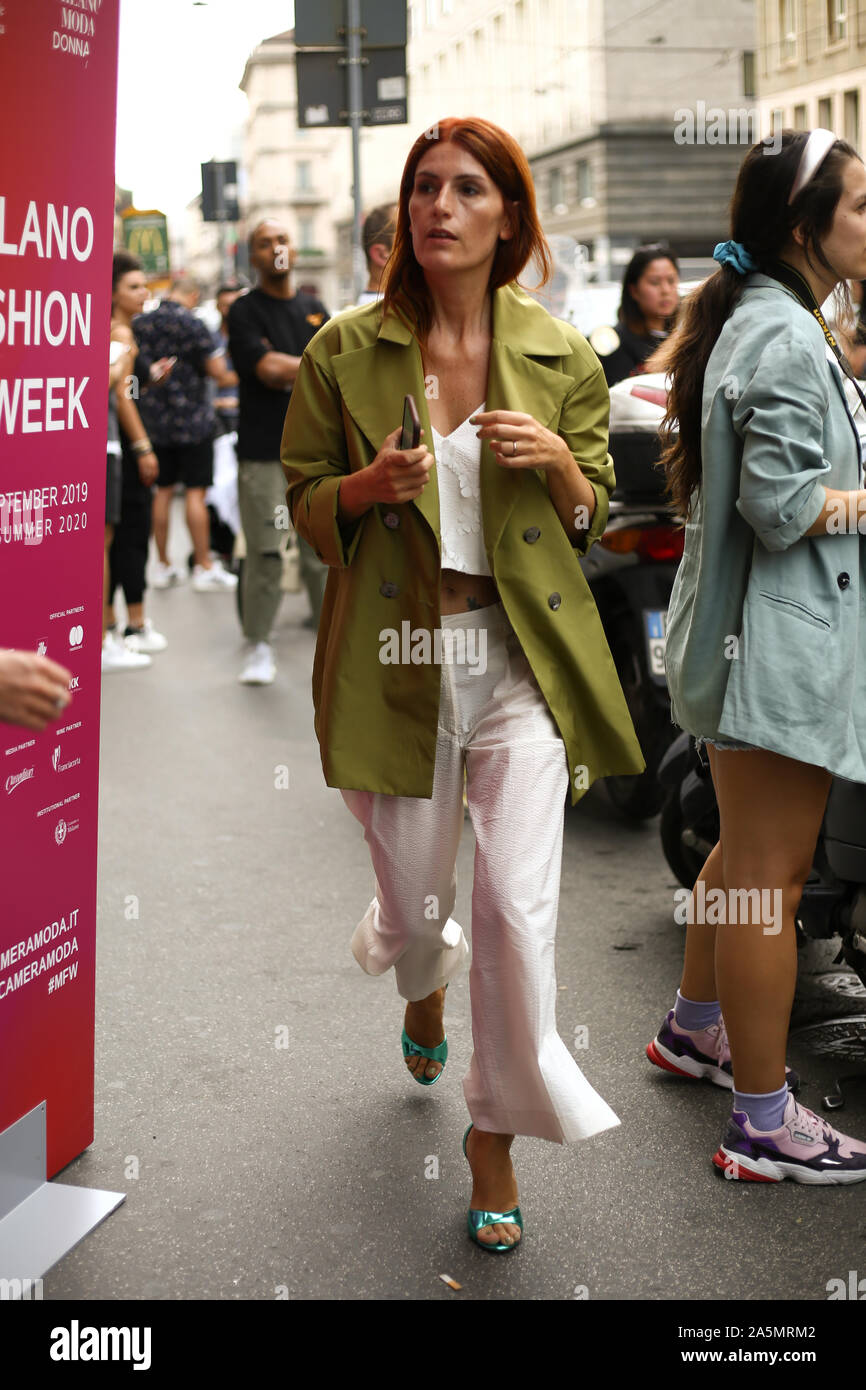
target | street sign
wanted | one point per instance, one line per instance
(350, 64)
(318, 23)
(322, 99)
(383, 83)
(219, 191)
(145, 235)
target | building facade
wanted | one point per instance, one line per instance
(812, 65)
(202, 248)
(288, 171)
(595, 91)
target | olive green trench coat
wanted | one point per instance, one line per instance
(377, 723)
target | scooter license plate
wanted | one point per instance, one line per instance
(655, 620)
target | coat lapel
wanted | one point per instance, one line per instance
(373, 381)
(522, 331)
(851, 404)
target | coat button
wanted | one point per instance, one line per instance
(388, 590)
(531, 534)
(843, 580)
(554, 601)
(391, 519)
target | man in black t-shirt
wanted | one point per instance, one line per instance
(268, 330)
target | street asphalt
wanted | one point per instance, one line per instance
(251, 1097)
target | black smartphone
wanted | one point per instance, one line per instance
(411, 436)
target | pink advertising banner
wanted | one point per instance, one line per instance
(58, 82)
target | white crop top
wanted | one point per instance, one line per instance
(458, 456)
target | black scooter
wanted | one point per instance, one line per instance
(834, 895)
(631, 573)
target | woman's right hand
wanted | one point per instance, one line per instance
(148, 468)
(397, 475)
(34, 691)
(161, 370)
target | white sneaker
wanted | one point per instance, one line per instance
(206, 581)
(145, 639)
(259, 668)
(164, 576)
(116, 655)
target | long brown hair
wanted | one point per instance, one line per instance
(762, 221)
(405, 288)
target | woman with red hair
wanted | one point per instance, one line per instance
(468, 544)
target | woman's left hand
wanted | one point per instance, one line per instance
(536, 447)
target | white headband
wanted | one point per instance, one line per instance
(815, 150)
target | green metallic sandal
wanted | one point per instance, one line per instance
(434, 1054)
(476, 1219)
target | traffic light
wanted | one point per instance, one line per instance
(219, 191)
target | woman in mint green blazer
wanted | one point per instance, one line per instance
(514, 404)
(766, 638)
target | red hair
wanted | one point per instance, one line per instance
(405, 288)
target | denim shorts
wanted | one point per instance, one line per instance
(726, 745)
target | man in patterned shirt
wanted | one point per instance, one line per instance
(181, 424)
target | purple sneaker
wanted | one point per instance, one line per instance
(702, 1054)
(805, 1148)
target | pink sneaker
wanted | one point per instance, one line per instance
(702, 1054)
(805, 1148)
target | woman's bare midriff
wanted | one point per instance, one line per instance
(461, 593)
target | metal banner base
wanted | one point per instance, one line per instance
(40, 1221)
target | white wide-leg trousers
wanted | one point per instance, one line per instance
(522, 1079)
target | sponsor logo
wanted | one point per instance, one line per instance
(64, 828)
(16, 778)
(42, 649)
(58, 765)
(76, 636)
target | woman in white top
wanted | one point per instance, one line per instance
(493, 719)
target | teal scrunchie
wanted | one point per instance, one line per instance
(734, 254)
